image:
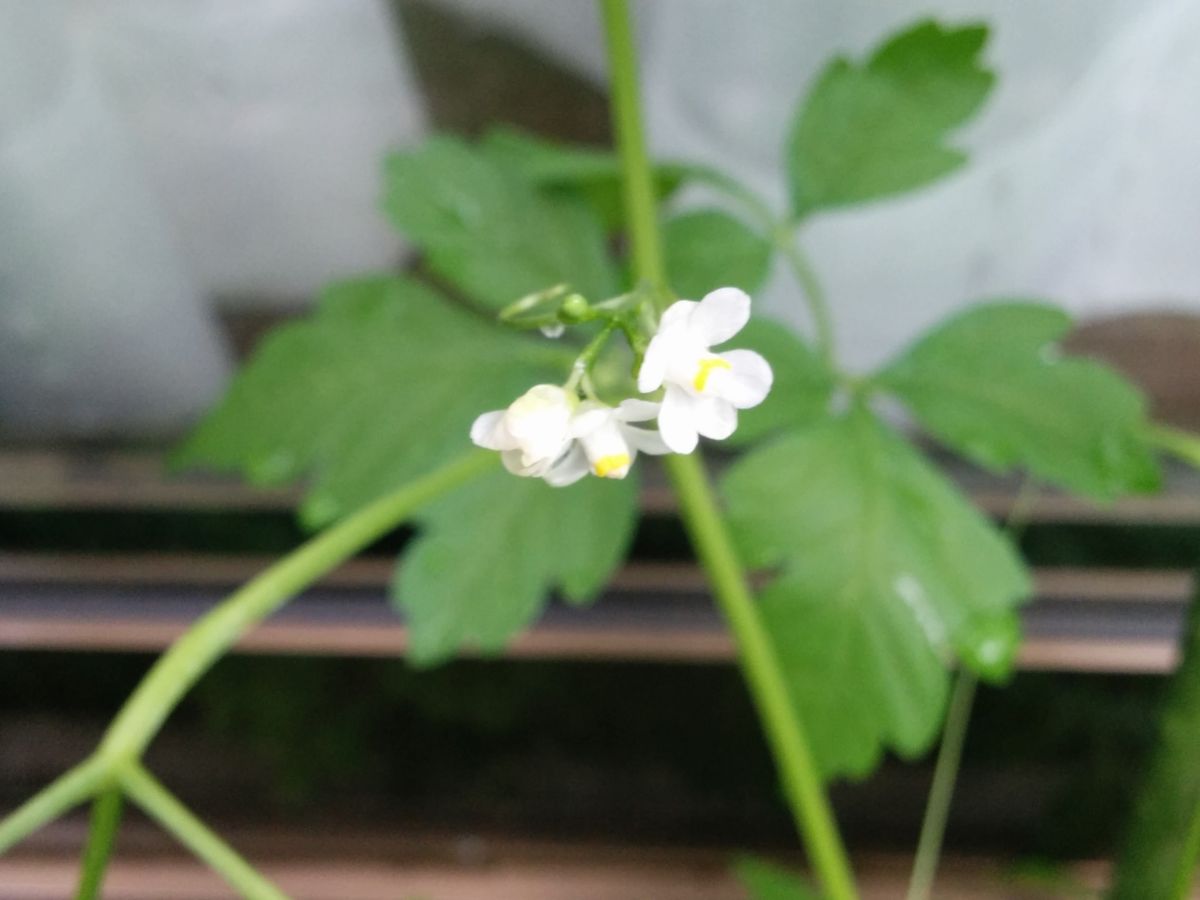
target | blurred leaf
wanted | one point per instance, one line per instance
(992, 383)
(594, 172)
(377, 387)
(803, 383)
(709, 249)
(869, 130)
(489, 231)
(490, 553)
(765, 880)
(884, 570)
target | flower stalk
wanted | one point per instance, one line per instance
(698, 505)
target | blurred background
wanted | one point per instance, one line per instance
(178, 175)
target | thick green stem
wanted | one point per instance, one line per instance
(68, 790)
(176, 818)
(760, 663)
(810, 287)
(206, 641)
(636, 174)
(102, 834)
(941, 793)
(700, 513)
(1175, 441)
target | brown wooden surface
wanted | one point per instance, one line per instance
(328, 864)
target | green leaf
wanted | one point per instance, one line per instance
(884, 572)
(709, 249)
(489, 231)
(765, 880)
(490, 553)
(377, 387)
(869, 130)
(803, 384)
(593, 172)
(992, 383)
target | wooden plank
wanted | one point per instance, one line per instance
(329, 863)
(133, 480)
(1082, 619)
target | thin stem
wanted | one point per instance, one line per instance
(1175, 441)
(636, 174)
(810, 286)
(587, 357)
(941, 793)
(102, 834)
(702, 518)
(954, 736)
(206, 641)
(145, 790)
(781, 722)
(68, 790)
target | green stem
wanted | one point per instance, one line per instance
(106, 818)
(145, 790)
(941, 793)
(1175, 441)
(636, 174)
(68, 790)
(206, 641)
(700, 513)
(810, 286)
(781, 722)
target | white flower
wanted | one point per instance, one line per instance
(704, 390)
(533, 433)
(606, 444)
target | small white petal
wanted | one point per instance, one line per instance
(747, 382)
(720, 315)
(554, 330)
(514, 461)
(654, 365)
(590, 416)
(645, 440)
(633, 410)
(572, 466)
(676, 420)
(678, 313)
(715, 418)
(488, 431)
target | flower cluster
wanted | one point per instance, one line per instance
(550, 433)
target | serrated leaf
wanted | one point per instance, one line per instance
(708, 249)
(870, 130)
(378, 386)
(992, 383)
(489, 231)
(764, 880)
(803, 383)
(593, 172)
(885, 570)
(491, 552)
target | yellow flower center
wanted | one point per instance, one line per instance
(706, 368)
(609, 466)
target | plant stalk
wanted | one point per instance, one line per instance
(941, 792)
(810, 288)
(68, 790)
(212, 636)
(102, 834)
(157, 802)
(700, 512)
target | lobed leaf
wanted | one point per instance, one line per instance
(885, 575)
(377, 387)
(487, 229)
(992, 383)
(491, 552)
(873, 129)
